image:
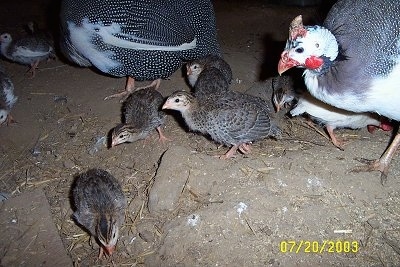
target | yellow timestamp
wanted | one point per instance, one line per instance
(325, 246)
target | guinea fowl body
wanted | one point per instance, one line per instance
(141, 39)
(27, 50)
(100, 206)
(7, 97)
(142, 115)
(353, 61)
(229, 119)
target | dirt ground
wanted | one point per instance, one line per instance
(185, 207)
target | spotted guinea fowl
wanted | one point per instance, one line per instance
(7, 97)
(137, 39)
(142, 113)
(195, 67)
(99, 207)
(352, 62)
(28, 50)
(228, 119)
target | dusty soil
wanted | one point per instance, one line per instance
(202, 211)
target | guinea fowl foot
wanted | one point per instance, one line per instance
(32, 69)
(245, 148)
(382, 164)
(338, 143)
(231, 153)
(130, 87)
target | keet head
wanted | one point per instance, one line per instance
(3, 115)
(123, 133)
(107, 232)
(5, 38)
(308, 47)
(179, 101)
(193, 70)
(281, 99)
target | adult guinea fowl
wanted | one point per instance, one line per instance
(139, 39)
(229, 119)
(142, 113)
(352, 62)
(99, 206)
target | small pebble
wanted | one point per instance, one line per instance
(69, 164)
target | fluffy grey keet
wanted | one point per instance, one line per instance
(352, 62)
(139, 39)
(229, 119)
(99, 206)
(142, 114)
(195, 67)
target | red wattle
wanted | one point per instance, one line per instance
(313, 62)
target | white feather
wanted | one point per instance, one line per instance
(81, 38)
(108, 34)
(382, 97)
(23, 51)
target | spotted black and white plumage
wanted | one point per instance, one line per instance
(7, 97)
(353, 60)
(143, 39)
(142, 114)
(229, 119)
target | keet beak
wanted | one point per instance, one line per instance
(165, 106)
(286, 62)
(109, 250)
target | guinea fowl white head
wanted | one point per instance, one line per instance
(352, 62)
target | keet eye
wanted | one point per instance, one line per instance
(177, 100)
(299, 50)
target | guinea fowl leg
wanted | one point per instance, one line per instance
(10, 120)
(162, 138)
(339, 144)
(245, 148)
(381, 164)
(32, 69)
(130, 87)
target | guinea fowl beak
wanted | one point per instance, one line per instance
(286, 62)
(109, 250)
(165, 106)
